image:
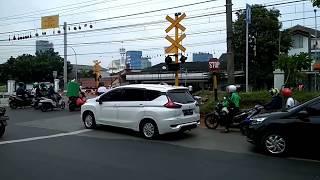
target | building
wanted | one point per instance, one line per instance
(201, 57)
(122, 61)
(134, 59)
(192, 73)
(43, 46)
(304, 39)
(85, 70)
(115, 66)
(145, 62)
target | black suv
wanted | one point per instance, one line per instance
(295, 129)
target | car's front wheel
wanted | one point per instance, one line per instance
(89, 120)
(149, 129)
(275, 144)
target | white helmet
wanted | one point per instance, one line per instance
(231, 88)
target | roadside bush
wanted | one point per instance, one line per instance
(250, 99)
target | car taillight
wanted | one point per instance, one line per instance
(171, 104)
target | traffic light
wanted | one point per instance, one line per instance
(168, 60)
(183, 59)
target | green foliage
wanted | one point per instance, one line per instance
(293, 65)
(86, 74)
(32, 68)
(265, 28)
(316, 3)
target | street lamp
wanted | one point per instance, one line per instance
(75, 55)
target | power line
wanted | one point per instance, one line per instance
(116, 41)
(71, 14)
(58, 8)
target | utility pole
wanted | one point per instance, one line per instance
(230, 55)
(248, 21)
(176, 15)
(316, 47)
(65, 67)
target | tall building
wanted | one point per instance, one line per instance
(201, 57)
(122, 58)
(134, 59)
(43, 46)
(145, 62)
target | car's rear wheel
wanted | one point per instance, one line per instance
(45, 107)
(275, 144)
(149, 129)
(13, 105)
(89, 120)
(211, 121)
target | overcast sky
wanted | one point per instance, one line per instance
(205, 33)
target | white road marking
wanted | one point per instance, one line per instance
(45, 137)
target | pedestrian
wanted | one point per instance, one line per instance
(102, 89)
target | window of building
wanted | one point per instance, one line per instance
(298, 42)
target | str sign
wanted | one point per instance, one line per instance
(214, 65)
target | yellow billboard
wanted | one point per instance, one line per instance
(48, 22)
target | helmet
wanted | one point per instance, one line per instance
(274, 92)
(286, 92)
(35, 85)
(231, 88)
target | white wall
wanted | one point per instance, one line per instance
(305, 48)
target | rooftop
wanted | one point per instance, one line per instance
(304, 30)
(157, 87)
(189, 66)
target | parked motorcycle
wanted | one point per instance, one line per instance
(216, 118)
(52, 103)
(3, 121)
(36, 101)
(16, 101)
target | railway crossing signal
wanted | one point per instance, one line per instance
(176, 45)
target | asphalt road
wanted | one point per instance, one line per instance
(112, 153)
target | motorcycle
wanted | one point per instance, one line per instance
(3, 121)
(36, 101)
(245, 123)
(16, 101)
(216, 118)
(51, 103)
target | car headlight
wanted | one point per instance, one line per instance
(257, 120)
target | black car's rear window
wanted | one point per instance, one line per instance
(180, 96)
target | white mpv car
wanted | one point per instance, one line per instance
(148, 109)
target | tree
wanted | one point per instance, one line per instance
(293, 65)
(316, 3)
(33, 68)
(264, 33)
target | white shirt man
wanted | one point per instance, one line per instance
(290, 103)
(102, 90)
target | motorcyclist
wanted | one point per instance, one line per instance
(43, 89)
(51, 93)
(290, 102)
(276, 101)
(232, 103)
(36, 90)
(21, 92)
